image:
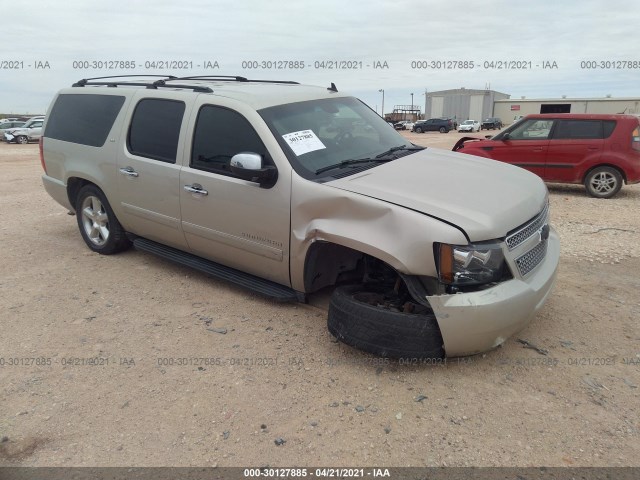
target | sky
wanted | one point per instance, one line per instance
(589, 47)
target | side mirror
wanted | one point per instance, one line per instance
(505, 136)
(248, 166)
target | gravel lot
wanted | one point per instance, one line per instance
(276, 374)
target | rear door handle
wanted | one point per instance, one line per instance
(129, 172)
(196, 188)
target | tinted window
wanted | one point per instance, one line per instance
(219, 135)
(84, 119)
(579, 129)
(155, 128)
(608, 127)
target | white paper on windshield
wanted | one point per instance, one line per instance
(302, 142)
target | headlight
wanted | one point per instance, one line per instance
(473, 264)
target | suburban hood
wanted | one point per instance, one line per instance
(483, 197)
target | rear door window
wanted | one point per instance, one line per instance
(155, 129)
(578, 129)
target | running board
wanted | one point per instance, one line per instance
(259, 285)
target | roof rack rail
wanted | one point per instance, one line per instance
(84, 81)
(234, 78)
(151, 85)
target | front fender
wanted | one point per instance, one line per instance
(400, 237)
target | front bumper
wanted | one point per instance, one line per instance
(475, 322)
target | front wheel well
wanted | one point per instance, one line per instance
(329, 264)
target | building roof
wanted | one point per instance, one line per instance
(556, 100)
(466, 91)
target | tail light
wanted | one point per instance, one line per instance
(44, 167)
(635, 139)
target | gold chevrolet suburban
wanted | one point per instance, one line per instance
(287, 189)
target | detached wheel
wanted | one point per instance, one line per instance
(603, 182)
(98, 224)
(22, 139)
(361, 318)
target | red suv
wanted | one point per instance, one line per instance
(599, 151)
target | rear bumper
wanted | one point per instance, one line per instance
(476, 322)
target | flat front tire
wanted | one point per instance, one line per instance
(603, 182)
(98, 224)
(356, 320)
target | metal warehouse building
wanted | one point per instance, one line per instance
(462, 103)
(510, 109)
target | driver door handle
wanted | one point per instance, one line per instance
(196, 188)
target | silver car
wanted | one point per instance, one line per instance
(29, 132)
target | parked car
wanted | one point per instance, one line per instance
(5, 126)
(4, 120)
(442, 125)
(491, 123)
(403, 125)
(600, 151)
(469, 126)
(29, 132)
(264, 185)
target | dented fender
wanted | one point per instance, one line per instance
(401, 237)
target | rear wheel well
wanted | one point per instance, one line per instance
(620, 171)
(74, 185)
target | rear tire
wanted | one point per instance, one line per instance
(354, 321)
(98, 224)
(603, 182)
(443, 130)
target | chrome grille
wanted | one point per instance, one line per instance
(515, 238)
(532, 258)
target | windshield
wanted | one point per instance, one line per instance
(320, 133)
(467, 122)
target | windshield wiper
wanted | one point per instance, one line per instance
(378, 158)
(398, 148)
(346, 163)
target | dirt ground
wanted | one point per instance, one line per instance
(121, 360)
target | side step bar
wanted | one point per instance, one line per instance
(259, 285)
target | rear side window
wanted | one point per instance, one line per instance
(83, 119)
(608, 127)
(579, 129)
(155, 129)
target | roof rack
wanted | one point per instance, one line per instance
(234, 78)
(163, 79)
(151, 85)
